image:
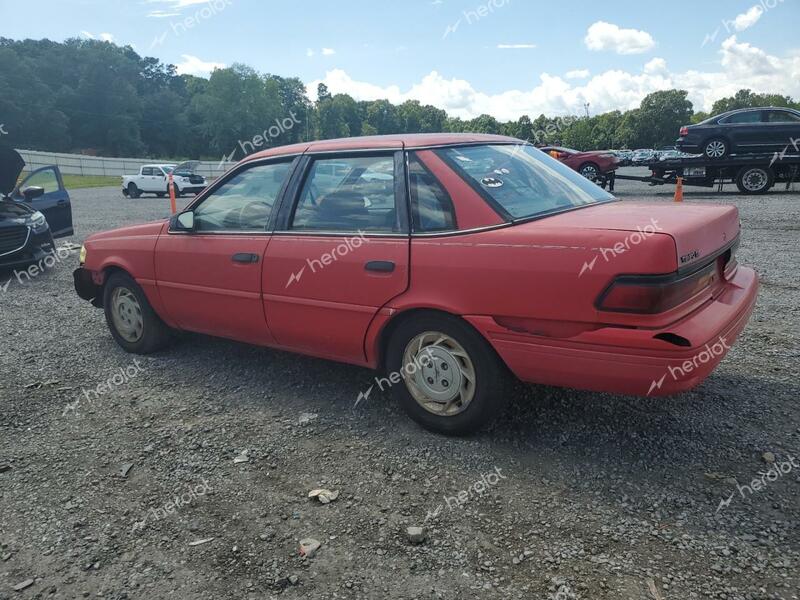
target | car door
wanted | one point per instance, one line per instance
(340, 252)
(55, 203)
(784, 131)
(145, 179)
(158, 182)
(209, 279)
(745, 130)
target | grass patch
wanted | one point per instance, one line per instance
(74, 182)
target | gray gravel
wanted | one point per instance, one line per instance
(583, 495)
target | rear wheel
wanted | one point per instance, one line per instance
(716, 148)
(133, 191)
(445, 375)
(590, 170)
(133, 323)
(755, 180)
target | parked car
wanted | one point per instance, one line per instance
(642, 155)
(740, 131)
(592, 164)
(155, 179)
(486, 257)
(31, 213)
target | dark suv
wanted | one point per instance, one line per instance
(742, 131)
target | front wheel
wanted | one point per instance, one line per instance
(755, 180)
(445, 375)
(133, 191)
(132, 321)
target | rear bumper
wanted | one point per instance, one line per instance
(632, 361)
(690, 147)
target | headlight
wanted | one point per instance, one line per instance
(82, 257)
(186, 180)
(38, 222)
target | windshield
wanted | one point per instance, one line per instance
(522, 181)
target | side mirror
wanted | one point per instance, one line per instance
(183, 221)
(32, 192)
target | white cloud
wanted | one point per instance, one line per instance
(741, 65)
(607, 36)
(86, 34)
(162, 14)
(748, 19)
(328, 51)
(515, 46)
(106, 37)
(192, 65)
(577, 74)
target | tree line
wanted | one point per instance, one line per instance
(94, 97)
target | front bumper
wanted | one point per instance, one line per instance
(632, 361)
(192, 189)
(38, 247)
(86, 287)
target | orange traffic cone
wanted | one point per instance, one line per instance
(679, 190)
(172, 195)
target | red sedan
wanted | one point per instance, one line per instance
(592, 164)
(448, 261)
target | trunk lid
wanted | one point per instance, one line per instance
(699, 230)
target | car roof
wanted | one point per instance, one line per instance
(408, 141)
(755, 108)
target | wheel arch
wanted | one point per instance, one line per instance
(384, 335)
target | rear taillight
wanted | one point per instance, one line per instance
(684, 131)
(650, 294)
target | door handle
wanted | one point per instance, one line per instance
(380, 266)
(245, 258)
(61, 202)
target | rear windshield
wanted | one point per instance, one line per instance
(521, 181)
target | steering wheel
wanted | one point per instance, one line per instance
(242, 218)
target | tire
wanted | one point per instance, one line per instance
(133, 191)
(160, 194)
(716, 148)
(125, 304)
(177, 190)
(450, 348)
(590, 170)
(755, 180)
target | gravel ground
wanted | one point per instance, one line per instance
(569, 495)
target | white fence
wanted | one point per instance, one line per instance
(78, 164)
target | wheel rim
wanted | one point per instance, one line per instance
(126, 313)
(439, 373)
(715, 149)
(754, 180)
(589, 172)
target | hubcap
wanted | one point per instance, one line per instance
(439, 373)
(755, 180)
(715, 149)
(589, 172)
(127, 315)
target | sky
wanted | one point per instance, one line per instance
(501, 57)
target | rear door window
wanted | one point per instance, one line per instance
(752, 116)
(348, 194)
(782, 116)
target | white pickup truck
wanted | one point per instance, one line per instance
(154, 179)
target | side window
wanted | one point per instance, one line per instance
(782, 116)
(348, 195)
(431, 206)
(244, 202)
(753, 116)
(45, 178)
(147, 170)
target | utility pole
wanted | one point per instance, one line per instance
(586, 108)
